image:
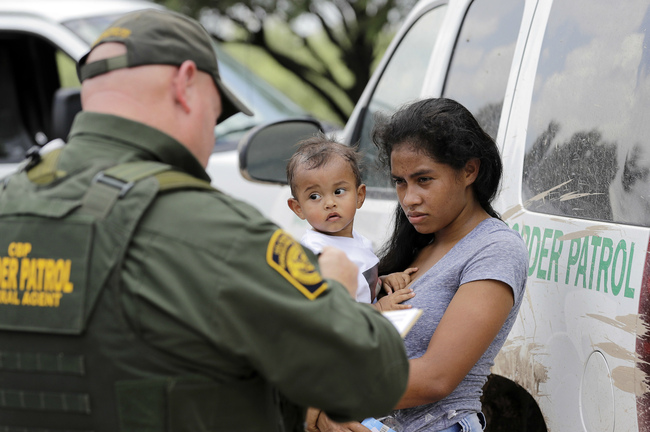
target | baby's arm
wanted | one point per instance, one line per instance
(396, 281)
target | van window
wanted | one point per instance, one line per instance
(587, 150)
(480, 64)
(400, 82)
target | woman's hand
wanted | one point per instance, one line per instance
(311, 419)
(317, 421)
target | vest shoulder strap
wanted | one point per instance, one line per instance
(168, 178)
(114, 182)
(173, 180)
(111, 184)
(84, 221)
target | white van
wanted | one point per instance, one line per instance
(564, 88)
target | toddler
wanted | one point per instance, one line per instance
(326, 188)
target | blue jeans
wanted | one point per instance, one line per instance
(471, 423)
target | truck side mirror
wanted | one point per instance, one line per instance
(265, 151)
(65, 106)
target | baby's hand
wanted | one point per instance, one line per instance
(396, 281)
(392, 301)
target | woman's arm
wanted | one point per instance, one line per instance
(471, 322)
(317, 421)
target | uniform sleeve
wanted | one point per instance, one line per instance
(236, 295)
(306, 335)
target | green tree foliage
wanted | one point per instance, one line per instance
(329, 46)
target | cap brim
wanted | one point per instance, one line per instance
(230, 104)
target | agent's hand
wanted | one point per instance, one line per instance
(334, 264)
(392, 301)
(396, 281)
(317, 421)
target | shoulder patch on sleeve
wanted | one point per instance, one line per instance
(286, 256)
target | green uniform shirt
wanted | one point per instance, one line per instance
(208, 279)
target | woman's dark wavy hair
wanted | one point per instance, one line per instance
(446, 131)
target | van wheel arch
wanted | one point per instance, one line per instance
(509, 407)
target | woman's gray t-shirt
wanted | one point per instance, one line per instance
(490, 251)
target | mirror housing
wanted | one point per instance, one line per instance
(265, 151)
(65, 106)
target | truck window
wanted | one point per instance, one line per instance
(480, 64)
(14, 140)
(31, 70)
(587, 152)
(67, 69)
(29, 76)
(401, 82)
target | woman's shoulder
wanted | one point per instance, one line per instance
(498, 252)
(494, 233)
(496, 228)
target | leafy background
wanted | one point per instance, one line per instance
(319, 53)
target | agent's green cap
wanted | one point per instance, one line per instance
(153, 36)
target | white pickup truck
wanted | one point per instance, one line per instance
(40, 41)
(564, 88)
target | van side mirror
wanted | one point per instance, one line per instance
(65, 106)
(265, 151)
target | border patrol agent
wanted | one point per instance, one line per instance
(134, 297)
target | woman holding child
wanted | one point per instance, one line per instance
(472, 268)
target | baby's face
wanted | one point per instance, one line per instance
(328, 197)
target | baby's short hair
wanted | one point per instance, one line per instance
(317, 151)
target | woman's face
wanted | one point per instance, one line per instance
(433, 196)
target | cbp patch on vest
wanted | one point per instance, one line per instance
(43, 275)
(288, 258)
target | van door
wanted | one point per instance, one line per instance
(577, 187)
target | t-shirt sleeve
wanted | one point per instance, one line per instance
(502, 256)
(313, 242)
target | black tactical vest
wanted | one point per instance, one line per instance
(69, 360)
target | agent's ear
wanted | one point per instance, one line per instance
(470, 172)
(294, 205)
(361, 195)
(184, 79)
